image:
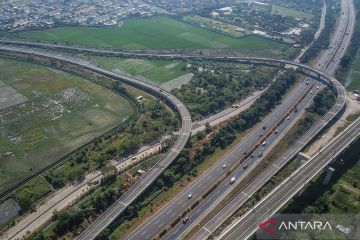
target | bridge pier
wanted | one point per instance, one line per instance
(300, 157)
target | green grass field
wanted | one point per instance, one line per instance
(32, 191)
(63, 113)
(214, 25)
(155, 71)
(156, 33)
(354, 76)
(292, 12)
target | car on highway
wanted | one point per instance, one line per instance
(224, 166)
(245, 166)
(264, 127)
(185, 219)
(189, 196)
(264, 143)
(276, 131)
(232, 180)
(252, 156)
(260, 154)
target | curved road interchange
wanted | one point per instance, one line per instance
(107, 217)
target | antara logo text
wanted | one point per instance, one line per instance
(303, 225)
(269, 226)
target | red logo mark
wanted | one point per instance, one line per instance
(269, 226)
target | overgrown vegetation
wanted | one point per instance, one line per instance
(153, 123)
(27, 196)
(332, 10)
(342, 193)
(216, 86)
(350, 55)
(66, 221)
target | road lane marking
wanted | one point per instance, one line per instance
(206, 229)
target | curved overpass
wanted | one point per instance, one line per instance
(120, 205)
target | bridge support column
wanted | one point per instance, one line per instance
(319, 76)
(329, 173)
(300, 157)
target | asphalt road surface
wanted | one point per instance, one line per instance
(153, 174)
(176, 208)
(339, 42)
(248, 224)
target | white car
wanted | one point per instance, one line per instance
(232, 180)
(189, 196)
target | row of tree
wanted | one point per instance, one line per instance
(350, 55)
(324, 39)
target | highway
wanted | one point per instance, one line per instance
(176, 208)
(248, 224)
(127, 198)
(340, 37)
(116, 209)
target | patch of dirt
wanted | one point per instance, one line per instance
(352, 107)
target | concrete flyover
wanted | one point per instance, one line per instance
(112, 212)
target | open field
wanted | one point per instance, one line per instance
(216, 25)
(62, 113)
(155, 71)
(156, 33)
(292, 12)
(354, 76)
